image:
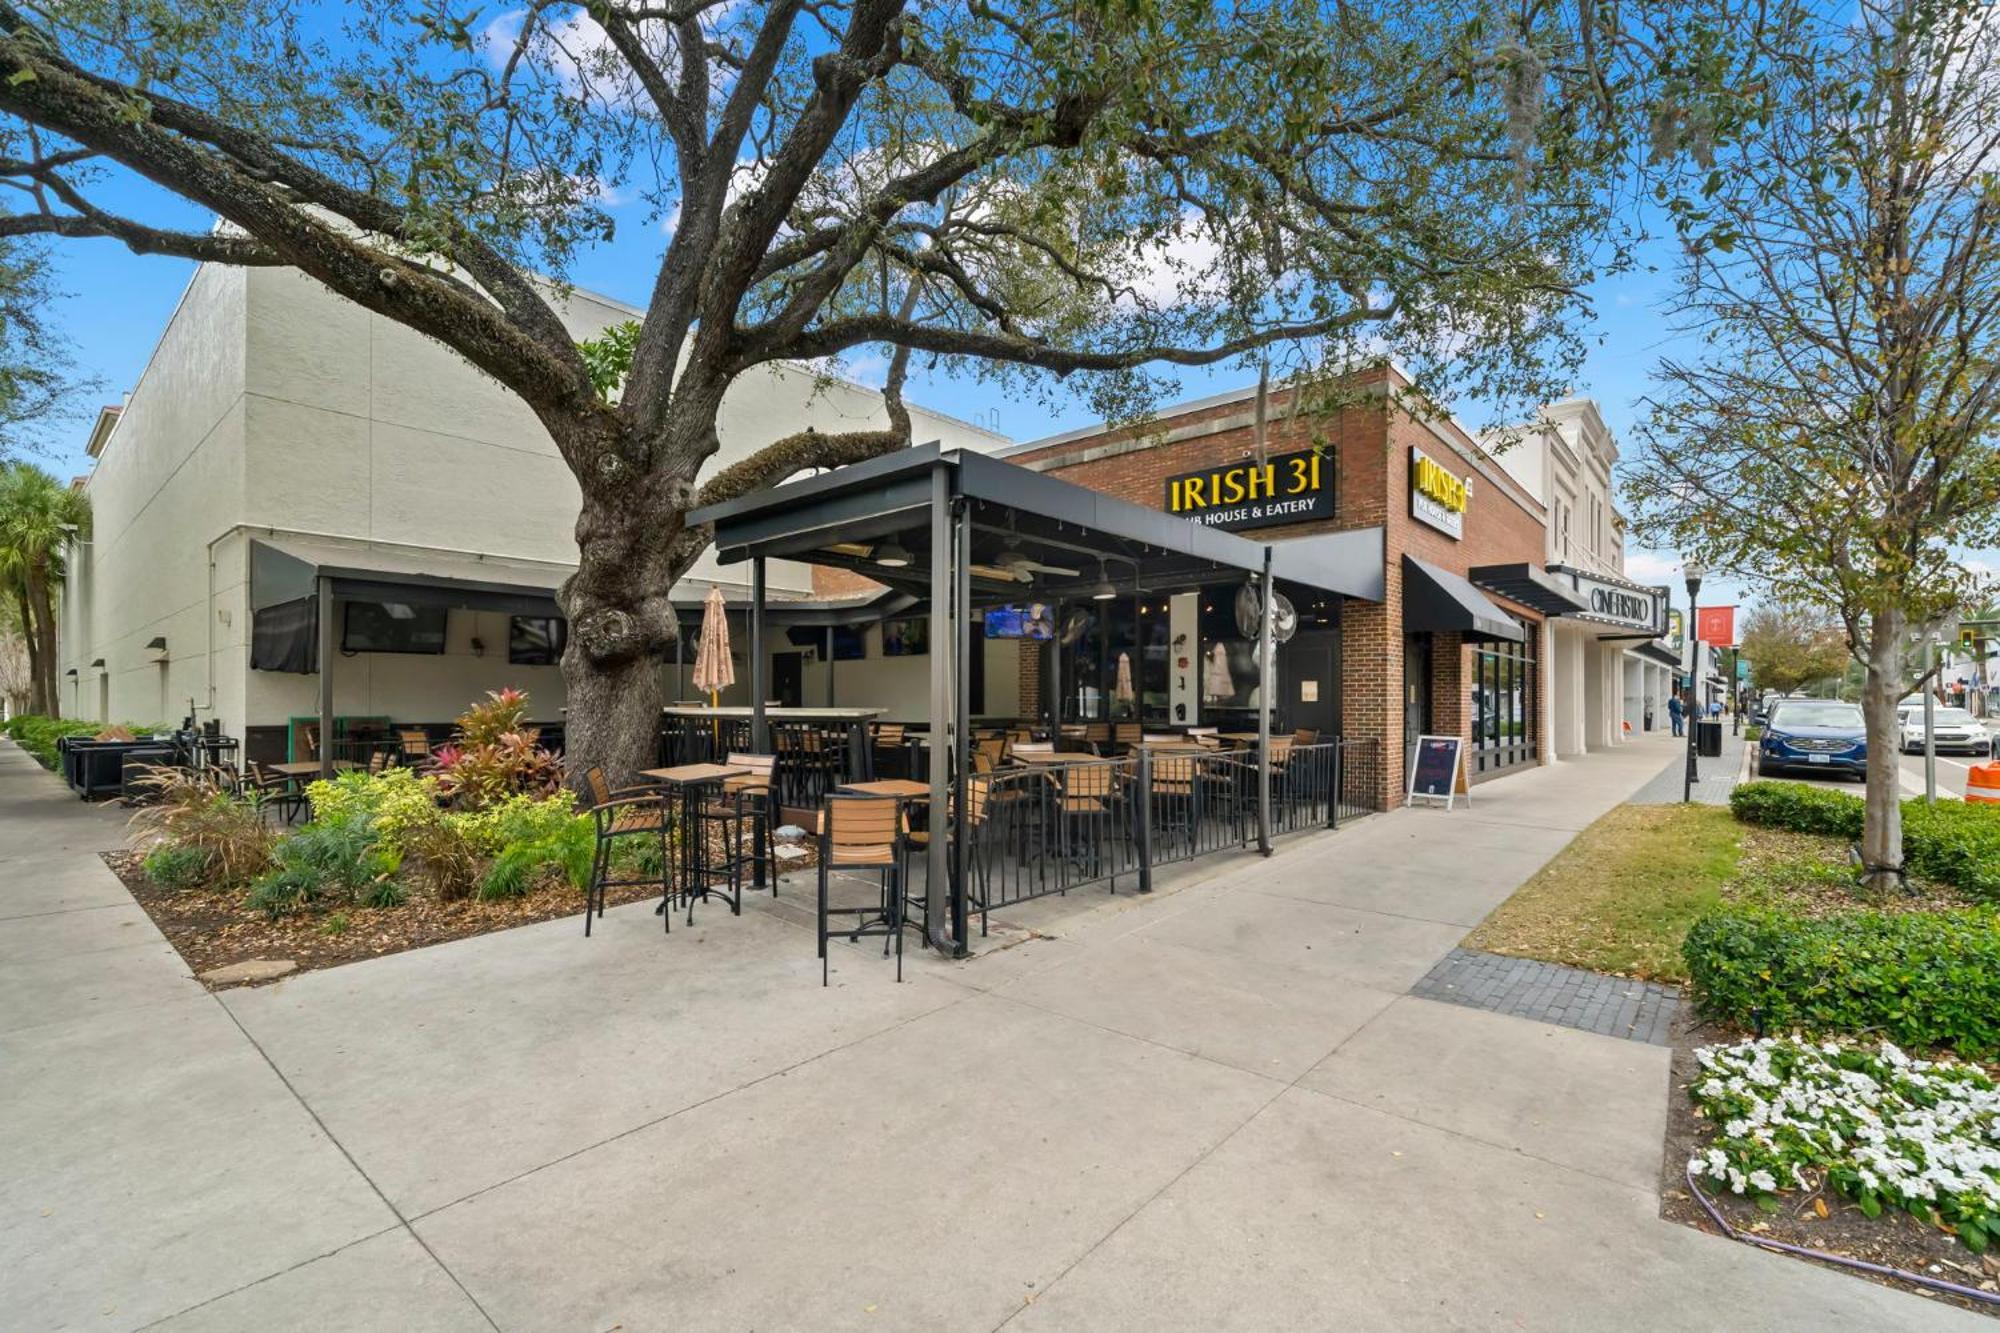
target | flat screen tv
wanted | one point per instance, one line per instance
(1032, 620)
(908, 637)
(850, 643)
(536, 640)
(392, 627)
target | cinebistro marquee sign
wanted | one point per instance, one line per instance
(1619, 603)
(1289, 488)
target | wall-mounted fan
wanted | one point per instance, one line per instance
(1250, 613)
(1073, 626)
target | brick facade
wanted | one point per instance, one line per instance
(1370, 441)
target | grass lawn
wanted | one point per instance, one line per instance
(1622, 896)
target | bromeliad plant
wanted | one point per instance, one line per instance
(495, 755)
(1880, 1128)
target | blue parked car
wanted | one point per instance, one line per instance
(1815, 735)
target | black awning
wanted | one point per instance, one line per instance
(1530, 586)
(1659, 652)
(1438, 601)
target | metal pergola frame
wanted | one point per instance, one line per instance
(958, 516)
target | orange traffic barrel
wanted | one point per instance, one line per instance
(1983, 783)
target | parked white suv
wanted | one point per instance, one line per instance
(1953, 729)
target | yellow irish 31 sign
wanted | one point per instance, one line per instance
(1289, 488)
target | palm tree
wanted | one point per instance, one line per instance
(38, 517)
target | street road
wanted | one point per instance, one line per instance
(1951, 775)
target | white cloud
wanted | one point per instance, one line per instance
(1651, 567)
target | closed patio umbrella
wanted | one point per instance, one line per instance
(713, 671)
(1217, 683)
(1122, 691)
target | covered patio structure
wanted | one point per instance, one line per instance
(962, 532)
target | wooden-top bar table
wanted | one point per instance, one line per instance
(688, 780)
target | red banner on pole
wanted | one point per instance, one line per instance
(1715, 625)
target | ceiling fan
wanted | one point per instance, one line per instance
(1016, 564)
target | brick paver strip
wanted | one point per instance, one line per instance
(1564, 996)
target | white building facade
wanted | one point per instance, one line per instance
(1609, 675)
(276, 423)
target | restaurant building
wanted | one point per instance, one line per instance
(1455, 646)
(1609, 673)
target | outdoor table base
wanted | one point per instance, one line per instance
(691, 876)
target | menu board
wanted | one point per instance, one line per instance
(1437, 770)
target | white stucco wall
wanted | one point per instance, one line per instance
(271, 405)
(169, 476)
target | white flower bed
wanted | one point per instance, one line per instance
(1882, 1129)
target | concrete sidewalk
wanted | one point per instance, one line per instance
(1218, 1108)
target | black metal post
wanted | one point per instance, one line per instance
(1143, 819)
(1054, 682)
(944, 647)
(1689, 709)
(1333, 793)
(760, 670)
(1267, 678)
(962, 648)
(328, 641)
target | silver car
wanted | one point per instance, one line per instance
(1953, 730)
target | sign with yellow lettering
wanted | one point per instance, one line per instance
(1290, 488)
(1438, 495)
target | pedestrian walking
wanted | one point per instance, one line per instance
(1676, 712)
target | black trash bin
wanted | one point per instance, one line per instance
(1708, 738)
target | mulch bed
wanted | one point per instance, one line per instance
(1894, 1239)
(212, 928)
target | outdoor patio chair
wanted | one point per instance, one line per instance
(1097, 737)
(744, 801)
(639, 816)
(1084, 812)
(1305, 736)
(413, 743)
(277, 790)
(1126, 736)
(862, 833)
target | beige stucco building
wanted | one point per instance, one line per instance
(1606, 674)
(278, 424)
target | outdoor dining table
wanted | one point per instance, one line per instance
(309, 768)
(687, 781)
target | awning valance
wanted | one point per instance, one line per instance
(1438, 601)
(1531, 587)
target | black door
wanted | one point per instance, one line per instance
(1416, 692)
(788, 679)
(1309, 675)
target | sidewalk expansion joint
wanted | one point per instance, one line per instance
(1566, 997)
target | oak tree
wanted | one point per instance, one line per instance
(1097, 192)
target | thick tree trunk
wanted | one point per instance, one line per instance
(35, 702)
(42, 632)
(1882, 827)
(622, 625)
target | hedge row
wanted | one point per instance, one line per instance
(1955, 842)
(1922, 979)
(38, 735)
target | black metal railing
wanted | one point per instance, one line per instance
(1361, 777)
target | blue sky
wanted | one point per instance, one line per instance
(120, 302)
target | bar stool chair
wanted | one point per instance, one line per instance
(627, 813)
(861, 833)
(744, 801)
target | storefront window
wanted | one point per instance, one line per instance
(1506, 717)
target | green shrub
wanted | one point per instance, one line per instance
(570, 847)
(396, 800)
(176, 867)
(1920, 979)
(38, 735)
(1954, 842)
(326, 862)
(1798, 806)
(187, 810)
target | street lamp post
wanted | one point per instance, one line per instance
(1694, 569)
